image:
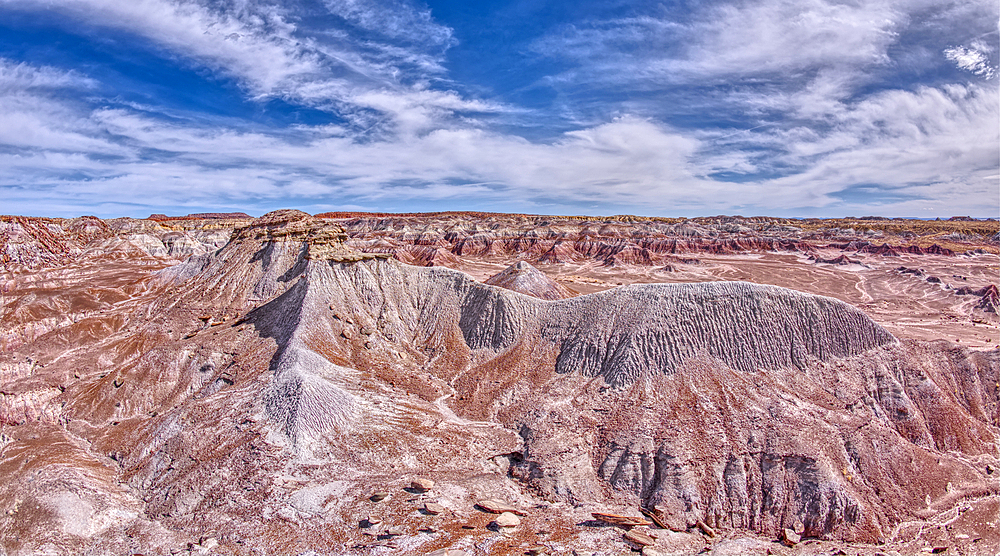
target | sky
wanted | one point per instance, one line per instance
(795, 108)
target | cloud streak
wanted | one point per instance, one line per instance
(973, 59)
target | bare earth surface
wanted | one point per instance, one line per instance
(393, 384)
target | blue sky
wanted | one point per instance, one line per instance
(680, 108)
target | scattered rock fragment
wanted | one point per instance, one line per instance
(395, 531)
(639, 537)
(421, 484)
(709, 532)
(507, 519)
(379, 496)
(655, 519)
(790, 537)
(620, 520)
(433, 508)
(497, 507)
(537, 550)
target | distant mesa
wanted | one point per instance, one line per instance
(202, 216)
(523, 278)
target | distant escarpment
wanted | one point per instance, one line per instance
(430, 239)
(444, 239)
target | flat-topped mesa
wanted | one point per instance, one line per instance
(523, 278)
(324, 240)
(261, 260)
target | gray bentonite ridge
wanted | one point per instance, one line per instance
(620, 333)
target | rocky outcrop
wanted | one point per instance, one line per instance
(842, 260)
(989, 297)
(622, 333)
(719, 446)
(442, 239)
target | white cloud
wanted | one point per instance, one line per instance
(621, 162)
(934, 143)
(397, 19)
(23, 77)
(796, 69)
(420, 110)
(265, 50)
(972, 59)
(726, 40)
(31, 117)
(790, 35)
(259, 49)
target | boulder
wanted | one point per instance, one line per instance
(433, 508)
(507, 519)
(421, 484)
(790, 537)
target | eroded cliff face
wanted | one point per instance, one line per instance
(260, 393)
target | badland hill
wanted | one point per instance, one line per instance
(497, 384)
